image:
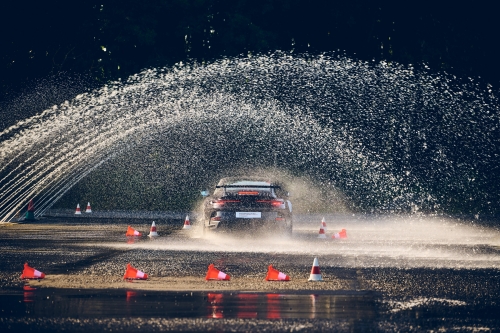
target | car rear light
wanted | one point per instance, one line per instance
(279, 218)
(274, 203)
(221, 202)
(215, 218)
(248, 193)
(278, 203)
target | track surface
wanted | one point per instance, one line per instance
(391, 274)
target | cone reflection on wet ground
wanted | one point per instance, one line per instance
(273, 306)
(215, 307)
(130, 294)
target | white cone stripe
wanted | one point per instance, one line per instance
(315, 277)
(336, 235)
(221, 276)
(139, 274)
(136, 233)
(37, 273)
(281, 276)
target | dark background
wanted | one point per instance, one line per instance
(54, 50)
(96, 41)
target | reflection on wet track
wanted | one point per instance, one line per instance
(278, 306)
(412, 273)
(135, 303)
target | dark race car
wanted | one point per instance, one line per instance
(248, 203)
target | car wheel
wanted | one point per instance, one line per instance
(288, 229)
(204, 229)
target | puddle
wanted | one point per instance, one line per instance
(74, 303)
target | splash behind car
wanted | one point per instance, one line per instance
(242, 203)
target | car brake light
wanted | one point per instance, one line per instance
(248, 193)
(277, 203)
(215, 218)
(280, 218)
(221, 202)
(274, 203)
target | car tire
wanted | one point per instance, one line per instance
(204, 229)
(288, 230)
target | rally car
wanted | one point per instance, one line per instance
(247, 203)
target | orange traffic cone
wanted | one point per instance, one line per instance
(132, 232)
(341, 234)
(214, 274)
(323, 223)
(30, 214)
(275, 275)
(31, 273)
(88, 210)
(152, 231)
(187, 225)
(315, 273)
(321, 232)
(78, 211)
(134, 274)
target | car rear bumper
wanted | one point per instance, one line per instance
(232, 220)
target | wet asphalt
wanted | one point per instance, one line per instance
(357, 296)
